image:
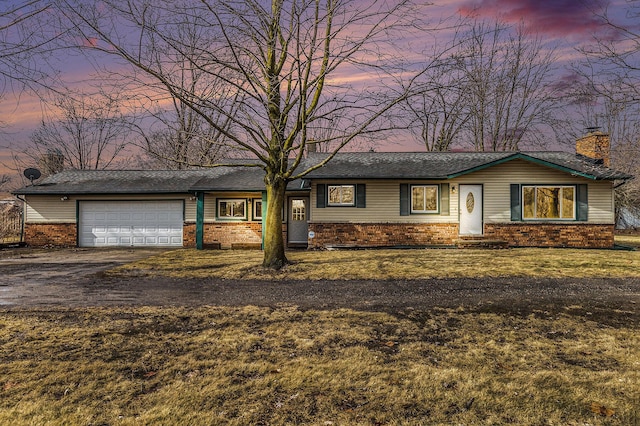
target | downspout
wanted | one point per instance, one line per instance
(264, 216)
(24, 216)
(200, 221)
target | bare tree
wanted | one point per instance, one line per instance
(610, 90)
(20, 42)
(437, 116)
(617, 115)
(614, 57)
(289, 60)
(492, 91)
(507, 83)
(81, 133)
(184, 139)
(179, 137)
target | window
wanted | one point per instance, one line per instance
(298, 210)
(424, 198)
(257, 209)
(548, 202)
(341, 195)
(232, 209)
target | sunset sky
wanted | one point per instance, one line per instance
(565, 24)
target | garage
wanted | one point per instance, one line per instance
(130, 223)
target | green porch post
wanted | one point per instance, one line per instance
(264, 215)
(200, 220)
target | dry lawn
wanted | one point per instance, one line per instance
(394, 264)
(629, 240)
(259, 366)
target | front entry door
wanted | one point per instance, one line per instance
(470, 209)
(298, 227)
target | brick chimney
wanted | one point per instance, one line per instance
(311, 147)
(595, 145)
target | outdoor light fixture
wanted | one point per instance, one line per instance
(64, 198)
(453, 189)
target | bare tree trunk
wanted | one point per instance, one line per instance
(274, 245)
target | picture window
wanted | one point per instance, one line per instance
(424, 198)
(548, 202)
(232, 209)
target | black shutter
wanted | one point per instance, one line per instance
(321, 193)
(582, 197)
(361, 196)
(444, 199)
(516, 205)
(404, 200)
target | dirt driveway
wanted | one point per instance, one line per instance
(72, 278)
(41, 276)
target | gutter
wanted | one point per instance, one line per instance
(624, 181)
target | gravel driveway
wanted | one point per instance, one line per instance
(72, 278)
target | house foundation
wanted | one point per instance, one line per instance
(381, 234)
(51, 234)
(552, 235)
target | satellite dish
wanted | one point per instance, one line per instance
(32, 174)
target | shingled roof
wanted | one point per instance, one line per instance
(151, 181)
(117, 181)
(447, 165)
(348, 165)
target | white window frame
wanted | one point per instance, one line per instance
(560, 207)
(257, 212)
(341, 203)
(425, 211)
(231, 200)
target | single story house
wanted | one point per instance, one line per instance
(358, 199)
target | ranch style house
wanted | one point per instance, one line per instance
(358, 199)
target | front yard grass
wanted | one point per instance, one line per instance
(390, 264)
(279, 366)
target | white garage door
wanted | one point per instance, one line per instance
(130, 223)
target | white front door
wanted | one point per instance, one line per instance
(470, 209)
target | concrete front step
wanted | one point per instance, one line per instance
(480, 242)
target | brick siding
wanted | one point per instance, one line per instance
(227, 235)
(50, 234)
(585, 235)
(189, 235)
(382, 234)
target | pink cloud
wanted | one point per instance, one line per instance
(90, 42)
(552, 17)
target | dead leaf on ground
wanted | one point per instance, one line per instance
(601, 410)
(9, 385)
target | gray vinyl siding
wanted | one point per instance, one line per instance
(52, 209)
(496, 181)
(383, 205)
